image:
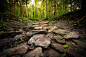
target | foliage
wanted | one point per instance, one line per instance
(73, 43)
(65, 46)
(42, 8)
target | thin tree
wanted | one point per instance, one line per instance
(20, 8)
(46, 9)
(54, 7)
(35, 8)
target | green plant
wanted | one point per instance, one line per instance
(52, 24)
(61, 55)
(26, 29)
(21, 39)
(65, 46)
(73, 43)
(34, 21)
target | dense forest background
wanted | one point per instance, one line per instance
(40, 9)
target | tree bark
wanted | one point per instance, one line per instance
(26, 9)
(20, 8)
(54, 7)
(46, 9)
(83, 6)
(35, 9)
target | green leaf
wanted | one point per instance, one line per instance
(65, 46)
(61, 56)
(73, 43)
(74, 24)
(21, 39)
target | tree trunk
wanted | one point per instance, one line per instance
(54, 7)
(14, 6)
(83, 6)
(26, 9)
(35, 9)
(43, 8)
(71, 5)
(46, 8)
(20, 9)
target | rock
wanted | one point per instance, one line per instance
(80, 43)
(76, 52)
(58, 47)
(71, 35)
(52, 28)
(38, 28)
(30, 33)
(8, 40)
(16, 56)
(20, 30)
(51, 53)
(35, 25)
(29, 24)
(40, 40)
(19, 36)
(49, 35)
(3, 55)
(59, 39)
(60, 31)
(35, 53)
(71, 45)
(44, 42)
(35, 38)
(4, 34)
(48, 27)
(43, 22)
(16, 50)
(44, 25)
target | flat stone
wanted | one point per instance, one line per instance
(16, 56)
(49, 35)
(29, 33)
(4, 34)
(51, 53)
(71, 35)
(58, 47)
(52, 28)
(35, 23)
(60, 31)
(35, 53)
(80, 43)
(59, 39)
(76, 52)
(44, 42)
(39, 30)
(69, 43)
(35, 37)
(40, 40)
(48, 27)
(20, 30)
(37, 27)
(43, 22)
(44, 25)
(16, 50)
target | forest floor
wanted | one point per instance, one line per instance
(62, 37)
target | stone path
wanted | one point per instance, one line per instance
(43, 40)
